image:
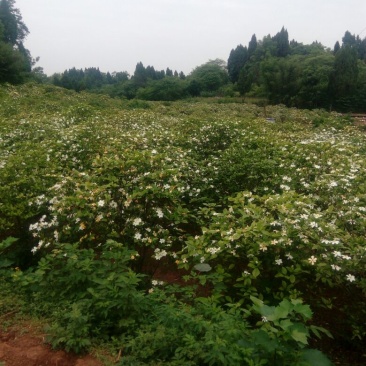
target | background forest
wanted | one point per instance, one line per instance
(274, 69)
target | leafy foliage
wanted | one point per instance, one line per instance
(15, 59)
(260, 218)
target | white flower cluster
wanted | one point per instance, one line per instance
(158, 253)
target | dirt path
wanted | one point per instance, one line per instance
(26, 347)
(360, 119)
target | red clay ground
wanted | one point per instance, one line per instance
(24, 346)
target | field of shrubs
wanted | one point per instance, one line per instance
(184, 233)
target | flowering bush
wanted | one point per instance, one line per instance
(248, 208)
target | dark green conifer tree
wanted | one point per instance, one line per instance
(236, 61)
(252, 46)
(343, 80)
(336, 48)
(282, 43)
(140, 75)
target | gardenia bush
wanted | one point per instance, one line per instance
(265, 222)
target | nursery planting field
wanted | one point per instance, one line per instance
(258, 214)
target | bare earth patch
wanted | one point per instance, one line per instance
(25, 346)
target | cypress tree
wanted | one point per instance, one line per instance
(236, 62)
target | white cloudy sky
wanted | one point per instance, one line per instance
(181, 34)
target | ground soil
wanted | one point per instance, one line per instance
(24, 345)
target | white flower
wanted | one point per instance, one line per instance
(262, 247)
(278, 261)
(335, 267)
(101, 203)
(264, 319)
(160, 253)
(138, 236)
(99, 218)
(137, 222)
(351, 278)
(159, 212)
(212, 250)
(285, 187)
(312, 260)
(113, 204)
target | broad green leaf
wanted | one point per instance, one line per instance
(314, 357)
(286, 324)
(256, 272)
(304, 310)
(261, 338)
(5, 263)
(203, 267)
(280, 313)
(299, 333)
(7, 242)
(299, 336)
(256, 301)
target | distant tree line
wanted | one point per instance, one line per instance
(304, 76)
(273, 69)
(148, 83)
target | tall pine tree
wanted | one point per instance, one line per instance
(236, 61)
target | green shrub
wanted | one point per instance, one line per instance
(87, 292)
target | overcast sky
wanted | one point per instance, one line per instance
(180, 34)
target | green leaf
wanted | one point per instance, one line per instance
(5, 263)
(256, 301)
(316, 331)
(296, 301)
(286, 324)
(304, 310)
(202, 267)
(314, 357)
(256, 272)
(7, 242)
(299, 336)
(100, 281)
(299, 333)
(261, 338)
(268, 312)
